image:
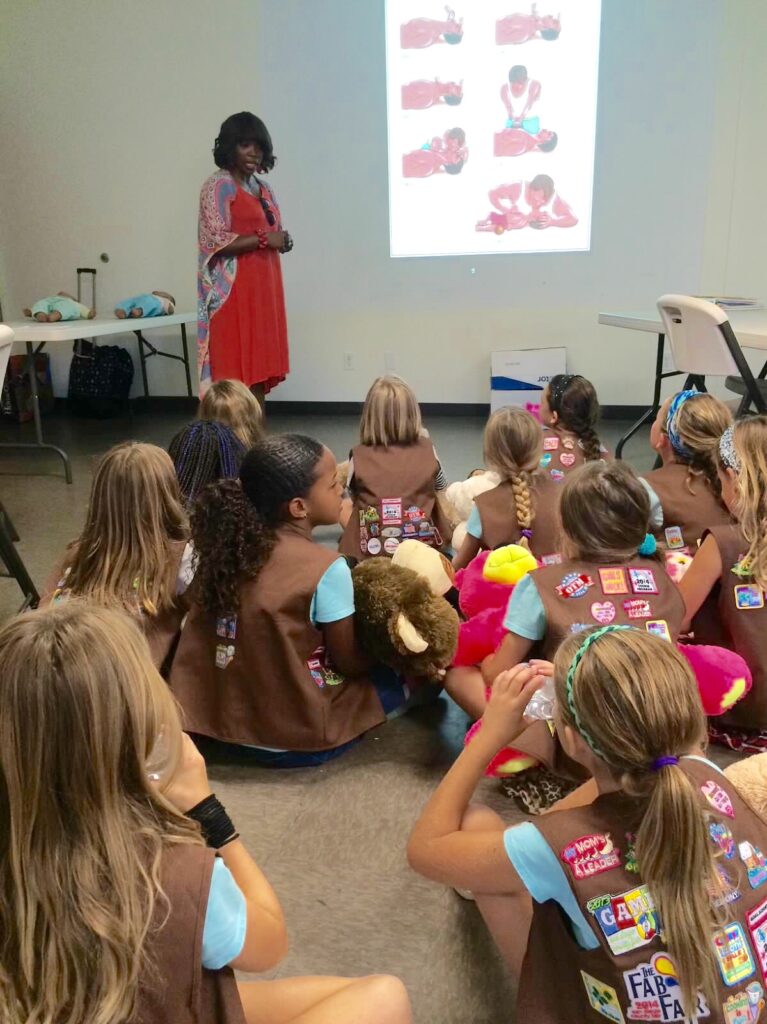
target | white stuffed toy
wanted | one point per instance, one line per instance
(461, 496)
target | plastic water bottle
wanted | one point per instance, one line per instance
(541, 705)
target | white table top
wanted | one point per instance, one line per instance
(69, 330)
(749, 325)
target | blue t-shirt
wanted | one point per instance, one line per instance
(333, 599)
(474, 523)
(525, 614)
(226, 919)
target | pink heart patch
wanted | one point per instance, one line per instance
(603, 611)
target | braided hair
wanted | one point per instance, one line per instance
(575, 402)
(513, 442)
(234, 522)
(203, 452)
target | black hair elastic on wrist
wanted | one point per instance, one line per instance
(216, 825)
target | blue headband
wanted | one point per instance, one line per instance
(677, 444)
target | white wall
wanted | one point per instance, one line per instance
(108, 115)
(110, 111)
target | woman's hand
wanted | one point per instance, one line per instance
(190, 783)
(276, 240)
(504, 719)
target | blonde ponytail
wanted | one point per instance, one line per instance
(513, 446)
(633, 699)
(523, 505)
(750, 444)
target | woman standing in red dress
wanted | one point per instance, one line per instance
(241, 328)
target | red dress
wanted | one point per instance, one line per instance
(248, 334)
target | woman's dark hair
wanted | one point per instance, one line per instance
(203, 452)
(234, 522)
(577, 406)
(238, 129)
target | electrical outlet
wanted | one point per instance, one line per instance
(390, 363)
(348, 361)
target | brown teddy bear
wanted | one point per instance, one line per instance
(401, 618)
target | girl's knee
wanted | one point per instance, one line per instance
(388, 993)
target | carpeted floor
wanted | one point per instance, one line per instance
(331, 840)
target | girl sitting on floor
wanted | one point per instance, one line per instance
(522, 509)
(686, 435)
(640, 908)
(569, 414)
(394, 477)
(231, 403)
(724, 587)
(203, 452)
(268, 657)
(610, 574)
(130, 553)
(127, 893)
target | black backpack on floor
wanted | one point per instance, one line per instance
(100, 379)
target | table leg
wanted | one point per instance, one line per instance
(40, 442)
(653, 410)
(186, 362)
(142, 361)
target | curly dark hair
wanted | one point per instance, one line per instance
(577, 406)
(238, 129)
(234, 522)
(203, 452)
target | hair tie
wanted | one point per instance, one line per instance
(527, 534)
(663, 762)
(677, 444)
(648, 546)
(727, 452)
(570, 680)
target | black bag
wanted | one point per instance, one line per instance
(100, 379)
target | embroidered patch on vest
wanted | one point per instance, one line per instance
(748, 596)
(613, 581)
(755, 864)
(728, 893)
(744, 1007)
(659, 628)
(574, 584)
(603, 612)
(674, 538)
(390, 545)
(567, 442)
(591, 855)
(603, 998)
(733, 954)
(742, 567)
(391, 511)
(373, 546)
(550, 444)
(642, 581)
(756, 922)
(631, 854)
(722, 837)
(718, 798)
(654, 992)
(637, 609)
(628, 921)
(557, 476)
(567, 459)
(555, 559)
(545, 460)
(224, 655)
(226, 627)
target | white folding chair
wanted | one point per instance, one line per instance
(704, 345)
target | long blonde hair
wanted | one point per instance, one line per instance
(391, 414)
(634, 700)
(232, 403)
(82, 830)
(750, 441)
(698, 424)
(513, 444)
(605, 512)
(124, 554)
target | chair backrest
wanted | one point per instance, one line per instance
(6, 341)
(694, 329)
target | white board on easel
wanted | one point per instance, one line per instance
(519, 377)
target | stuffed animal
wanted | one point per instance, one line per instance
(461, 495)
(61, 306)
(677, 564)
(749, 777)
(156, 304)
(401, 620)
(485, 586)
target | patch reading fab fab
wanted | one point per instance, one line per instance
(603, 998)
(591, 855)
(575, 585)
(654, 993)
(628, 921)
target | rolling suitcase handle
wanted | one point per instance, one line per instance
(92, 272)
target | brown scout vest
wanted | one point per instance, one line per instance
(563, 452)
(395, 499)
(743, 629)
(182, 991)
(611, 598)
(498, 516)
(685, 515)
(261, 679)
(161, 631)
(630, 977)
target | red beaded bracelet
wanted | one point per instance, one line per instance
(263, 239)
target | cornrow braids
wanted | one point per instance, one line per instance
(575, 402)
(203, 452)
(278, 469)
(523, 504)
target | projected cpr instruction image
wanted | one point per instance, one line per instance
(525, 82)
